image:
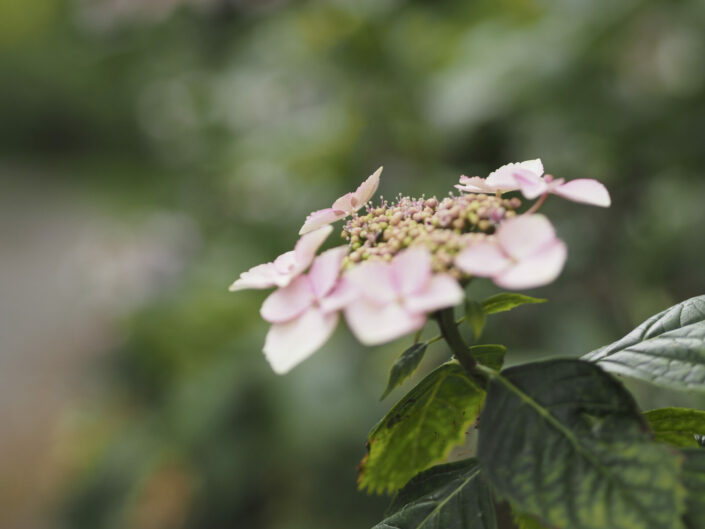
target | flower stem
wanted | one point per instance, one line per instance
(451, 334)
(537, 205)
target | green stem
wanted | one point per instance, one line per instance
(451, 334)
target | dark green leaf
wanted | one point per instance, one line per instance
(668, 349)
(526, 521)
(681, 427)
(565, 442)
(452, 496)
(475, 318)
(507, 301)
(421, 428)
(491, 355)
(405, 365)
(694, 479)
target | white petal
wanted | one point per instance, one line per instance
(374, 324)
(524, 235)
(535, 166)
(442, 291)
(482, 259)
(536, 270)
(346, 203)
(325, 271)
(585, 190)
(474, 184)
(343, 294)
(308, 244)
(375, 280)
(321, 218)
(530, 184)
(367, 189)
(412, 270)
(288, 344)
(260, 276)
(287, 303)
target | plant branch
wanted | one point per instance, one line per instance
(451, 334)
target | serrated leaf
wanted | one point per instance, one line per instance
(490, 355)
(420, 429)
(451, 496)
(668, 349)
(475, 317)
(680, 427)
(564, 441)
(405, 365)
(694, 479)
(507, 301)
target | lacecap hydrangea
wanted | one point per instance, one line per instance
(403, 260)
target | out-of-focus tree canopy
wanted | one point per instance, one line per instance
(204, 132)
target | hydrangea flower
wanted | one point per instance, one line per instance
(287, 266)
(304, 313)
(524, 253)
(344, 206)
(396, 297)
(528, 178)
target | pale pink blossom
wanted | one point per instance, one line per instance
(528, 177)
(501, 180)
(305, 312)
(287, 266)
(344, 206)
(396, 297)
(524, 253)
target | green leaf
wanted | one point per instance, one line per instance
(452, 496)
(681, 427)
(668, 349)
(507, 301)
(475, 317)
(491, 355)
(565, 442)
(694, 479)
(526, 521)
(405, 365)
(420, 429)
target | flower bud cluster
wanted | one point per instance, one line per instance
(444, 227)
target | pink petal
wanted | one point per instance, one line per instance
(260, 276)
(585, 190)
(530, 184)
(442, 291)
(503, 178)
(287, 303)
(285, 263)
(367, 189)
(346, 203)
(535, 166)
(375, 280)
(307, 246)
(482, 259)
(320, 218)
(325, 271)
(374, 324)
(536, 270)
(412, 270)
(474, 184)
(288, 344)
(522, 236)
(343, 294)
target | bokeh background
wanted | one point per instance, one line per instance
(151, 150)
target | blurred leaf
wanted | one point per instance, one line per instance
(694, 480)
(451, 496)
(491, 355)
(405, 365)
(507, 301)
(526, 521)
(677, 426)
(668, 349)
(475, 317)
(420, 429)
(564, 441)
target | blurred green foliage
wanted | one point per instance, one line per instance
(243, 116)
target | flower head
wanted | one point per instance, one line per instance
(396, 297)
(344, 206)
(287, 266)
(524, 253)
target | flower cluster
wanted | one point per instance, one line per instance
(405, 260)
